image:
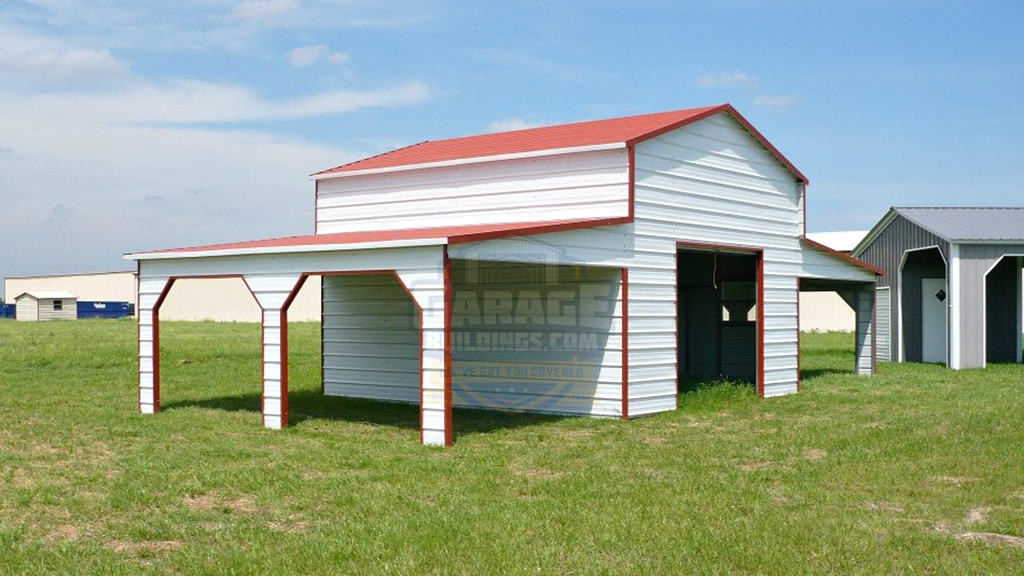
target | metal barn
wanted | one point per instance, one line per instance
(590, 268)
(38, 306)
(952, 289)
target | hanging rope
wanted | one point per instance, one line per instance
(714, 273)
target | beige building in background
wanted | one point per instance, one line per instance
(826, 311)
(220, 299)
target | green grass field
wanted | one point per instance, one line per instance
(916, 471)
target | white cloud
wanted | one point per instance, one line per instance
(305, 55)
(265, 11)
(28, 59)
(339, 58)
(90, 174)
(509, 124)
(774, 101)
(733, 78)
(194, 102)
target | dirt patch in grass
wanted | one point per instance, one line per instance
(22, 479)
(761, 466)
(211, 502)
(957, 481)
(977, 515)
(535, 473)
(992, 538)
(63, 533)
(150, 546)
(815, 454)
(294, 524)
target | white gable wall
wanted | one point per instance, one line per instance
(568, 186)
(713, 183)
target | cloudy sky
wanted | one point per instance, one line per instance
(128, 125)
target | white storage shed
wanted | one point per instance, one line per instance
(590, 268)
(36, 306)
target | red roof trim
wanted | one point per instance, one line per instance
(841, 255)
(453, 234)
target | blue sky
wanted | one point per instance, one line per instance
(129, 126)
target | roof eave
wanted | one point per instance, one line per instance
(297, 249)
(846, 257)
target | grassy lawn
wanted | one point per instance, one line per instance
(904, 473)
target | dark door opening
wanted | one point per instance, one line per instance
(716, 316)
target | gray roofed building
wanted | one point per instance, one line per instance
(953, 284)
(969, 224)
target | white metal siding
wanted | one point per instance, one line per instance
(371, 339)
(538, 338)
(27, 310)
(712, 183)
(883, 317)
(583, 185)
(68, 311)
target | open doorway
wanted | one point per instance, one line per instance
(717, 316)
(1003, 311)
(924, 300)
(203, 361)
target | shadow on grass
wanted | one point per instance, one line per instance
(812, 373)
(304, 405)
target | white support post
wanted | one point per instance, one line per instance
(955, 354)
(151, 292)
(431, 288)
(862, 300)
(272, 292)
(1020, 306)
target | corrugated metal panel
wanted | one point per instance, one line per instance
(569, 187)
(56, 309)
(886, 252)
(371, 339)
(975, 262)
(862, 300)
(711, 182)
(27, 310)
(538, 338)
(1002, 224)
(883, 304)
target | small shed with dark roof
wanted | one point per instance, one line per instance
(952, 289)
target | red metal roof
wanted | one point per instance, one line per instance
(452, 234)
(627, 130)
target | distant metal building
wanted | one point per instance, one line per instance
(221, 300)
(591, 268)
(952, 289)
(38, 306)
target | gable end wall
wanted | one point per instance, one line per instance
(885, 253)
(713, 183)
